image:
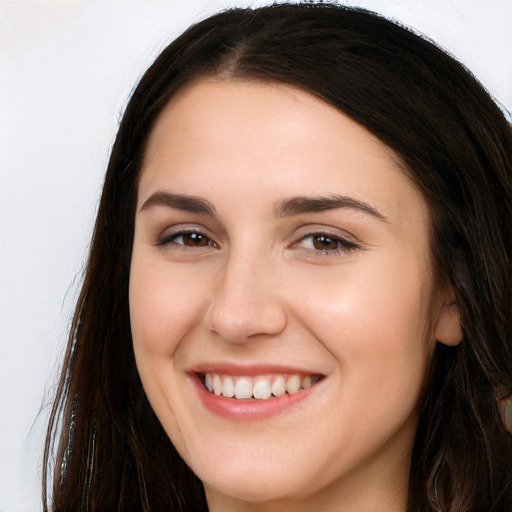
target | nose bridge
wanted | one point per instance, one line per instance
(246, 301)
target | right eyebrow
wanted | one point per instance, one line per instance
(183, 202)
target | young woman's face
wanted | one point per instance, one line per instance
(281, 255)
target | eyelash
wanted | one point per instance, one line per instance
(171, 240)
(343, 245)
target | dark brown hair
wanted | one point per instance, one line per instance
(105, 447)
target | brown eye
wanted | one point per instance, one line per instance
(190, 239)
(195, 240)
(324, 243)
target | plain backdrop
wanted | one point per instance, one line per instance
(66, 71)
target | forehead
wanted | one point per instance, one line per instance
(272, 141)
(278, 109)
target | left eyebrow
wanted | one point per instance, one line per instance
(303, 204)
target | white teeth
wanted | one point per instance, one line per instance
(243, 388)
(279, 386)
(293, 384)
(217, 385)
(208, 382)
(228, 389)
(262, 389)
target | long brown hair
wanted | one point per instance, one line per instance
(105, 448)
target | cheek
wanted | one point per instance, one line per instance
(164, 306)
(163, 310)
(376, 322)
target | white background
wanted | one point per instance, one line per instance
(66, 70)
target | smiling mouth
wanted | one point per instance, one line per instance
(262, 387)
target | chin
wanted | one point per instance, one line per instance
(254, 488)
(248, 479)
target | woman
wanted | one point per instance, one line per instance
(298, 292)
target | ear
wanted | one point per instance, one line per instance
(447, 327)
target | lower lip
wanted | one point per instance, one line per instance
(252, 409)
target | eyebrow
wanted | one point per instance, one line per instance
(286, 208)
(302, 204)
(183, 202)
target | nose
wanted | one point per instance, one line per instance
(246, 303)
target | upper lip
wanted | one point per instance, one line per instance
(251, 370)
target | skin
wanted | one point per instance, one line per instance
(259, 289)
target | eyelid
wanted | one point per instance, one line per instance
(326, 230)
